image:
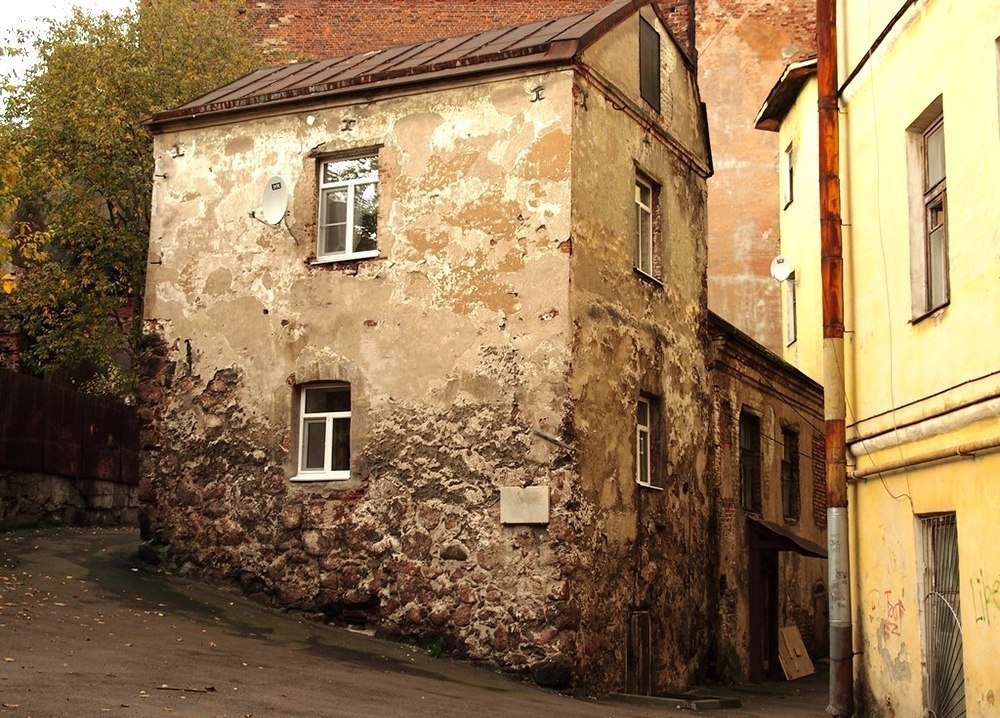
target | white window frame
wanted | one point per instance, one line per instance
(327, 473)
(650, 432)
(644, 242)
(644, 432)
(351, 184)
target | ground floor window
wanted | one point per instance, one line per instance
(325, 432)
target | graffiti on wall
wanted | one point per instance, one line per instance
(887, 608)
(985, 598)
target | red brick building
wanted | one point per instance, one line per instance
(742, 45)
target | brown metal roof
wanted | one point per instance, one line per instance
(775, 537)
(549, 42)
(782, 96)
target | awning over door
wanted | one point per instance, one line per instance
(764, 535)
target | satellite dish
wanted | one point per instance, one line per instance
(781, 268)
(275, 200)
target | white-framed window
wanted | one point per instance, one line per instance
(935, 216)
(788, 180)
(348, 209)
(646, 244)
(647, 450)
(791, 318)
(325, 432)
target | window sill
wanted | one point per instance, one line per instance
(370, 254)
(650, 279)
(930, 313)
(312, 478)
(654, 487)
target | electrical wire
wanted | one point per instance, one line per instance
(888, 294)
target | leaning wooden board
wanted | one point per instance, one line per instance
(792, 654)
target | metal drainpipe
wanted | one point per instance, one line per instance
(841, 639)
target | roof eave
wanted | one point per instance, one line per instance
(782, 96)
(220, 113)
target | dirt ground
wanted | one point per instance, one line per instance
(87, 630)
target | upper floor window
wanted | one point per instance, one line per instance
(348, 209)
(790, 474)
(788, 183)
(750, 461)
(928, 190)
(647, 446)
(791, 309)
(649, 64)
(325, 432)
(935, 215)
(647, 227)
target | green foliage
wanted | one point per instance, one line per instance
(76, 172)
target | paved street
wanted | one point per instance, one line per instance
(86, 630)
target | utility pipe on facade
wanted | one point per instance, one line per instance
(834, 409)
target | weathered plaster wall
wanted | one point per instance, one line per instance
(456, 342)
(743, 46)
(647, 546)
(745, 378)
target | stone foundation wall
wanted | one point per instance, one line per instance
(30, 499)
(418, 553)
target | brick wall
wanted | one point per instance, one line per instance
(306, 29)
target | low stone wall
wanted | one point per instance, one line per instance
(30, 499)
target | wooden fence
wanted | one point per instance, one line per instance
(54, 430)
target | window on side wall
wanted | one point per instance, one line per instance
(649, 64)
(646, 251)
(647, 444)
(788, 180)
(750, 461)
(348, 209)
(935, 215)
(929, 281)
(791, 318)
(324, 432)
(790, 501)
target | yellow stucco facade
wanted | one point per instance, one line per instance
(922, 362)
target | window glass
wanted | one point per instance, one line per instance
(314, 436)
(334, 221)
(344, 170)
(935, 155)
(365, 216)
(328, 399)
(340, 444)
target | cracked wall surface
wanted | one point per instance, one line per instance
(500, 340)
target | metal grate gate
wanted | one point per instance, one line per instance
(942, 618)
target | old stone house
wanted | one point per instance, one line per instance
(424, 346)
(767, 464)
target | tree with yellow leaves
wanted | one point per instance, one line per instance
(76, 176)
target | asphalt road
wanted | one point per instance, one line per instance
(87, 630)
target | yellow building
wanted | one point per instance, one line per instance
(920, 174)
